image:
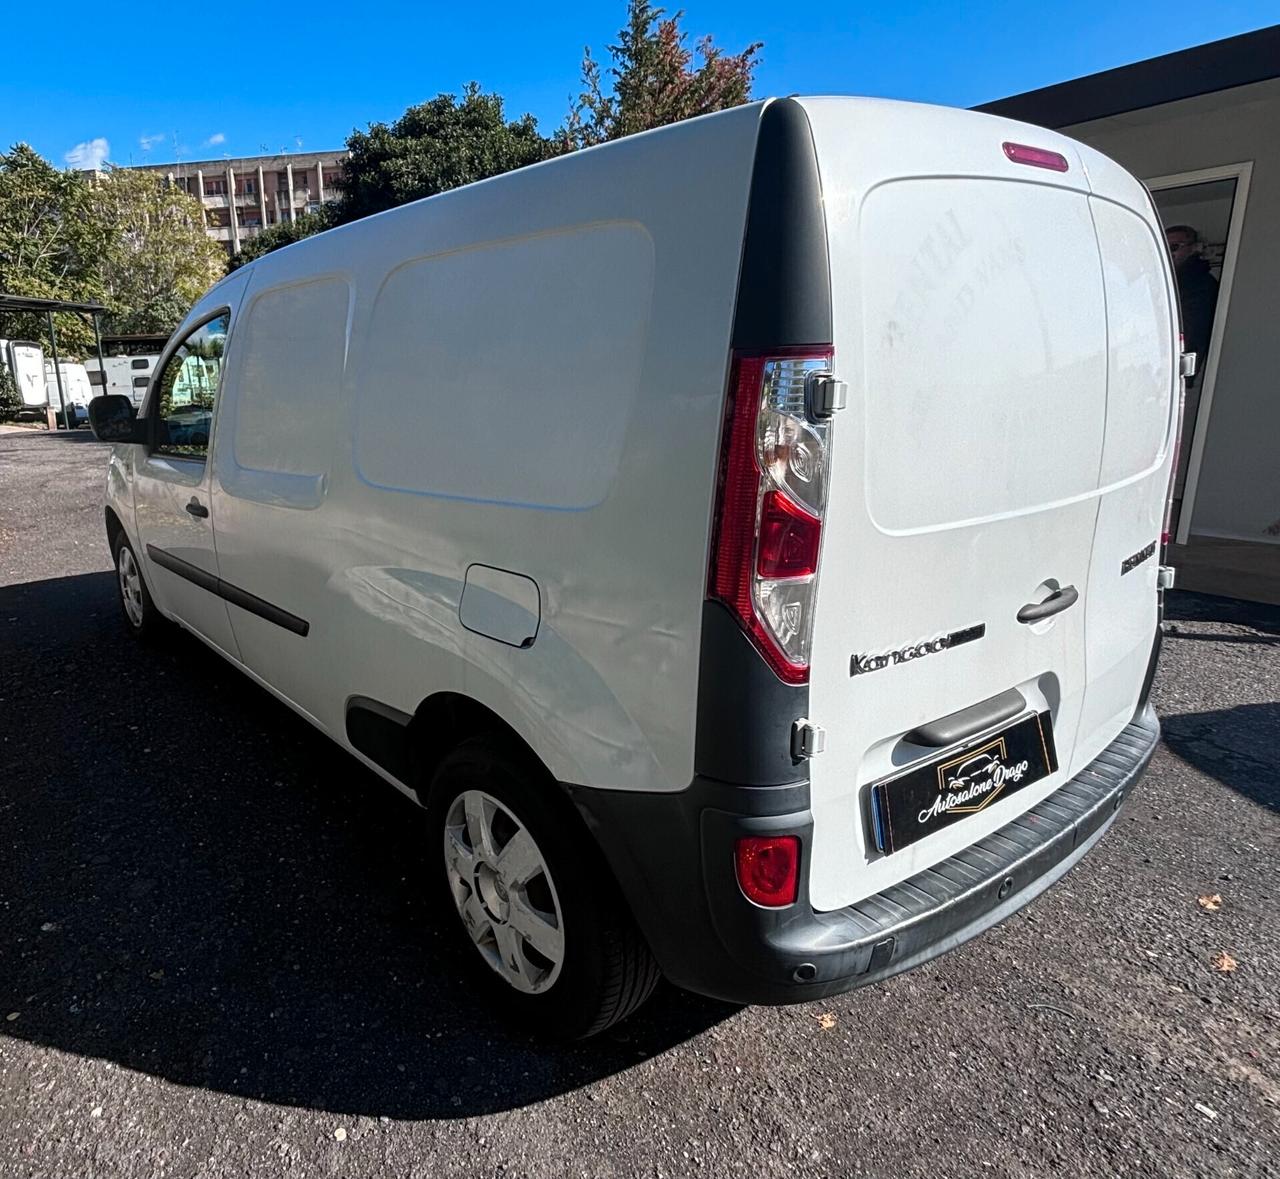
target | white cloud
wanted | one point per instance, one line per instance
(147, 142)
(215, 139)
(90, 154)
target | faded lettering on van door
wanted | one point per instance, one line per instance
(1002, 351)
(536, 415)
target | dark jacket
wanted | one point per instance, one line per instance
(1198, 294)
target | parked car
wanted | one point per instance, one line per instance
(741, 539)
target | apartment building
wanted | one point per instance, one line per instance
(243, 195)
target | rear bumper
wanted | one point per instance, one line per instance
(673, 857)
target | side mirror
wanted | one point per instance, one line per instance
(112, 418)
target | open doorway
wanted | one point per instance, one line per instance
(1202, 213)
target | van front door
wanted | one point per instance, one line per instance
(171, 486)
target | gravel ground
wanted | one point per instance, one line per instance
(215, 958)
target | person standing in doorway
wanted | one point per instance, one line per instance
(1197, 290)
(1198, 296)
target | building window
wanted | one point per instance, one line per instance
(215, 186)
(247, 186)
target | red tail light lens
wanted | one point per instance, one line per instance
(768, 868)
(789, 539)
(772, 496)
(1037, 157)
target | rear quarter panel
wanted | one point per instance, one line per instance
(456, 443)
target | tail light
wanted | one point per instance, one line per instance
(771, 501)
(768, 869)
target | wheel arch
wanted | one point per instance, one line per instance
(411, 746)
(115, 527)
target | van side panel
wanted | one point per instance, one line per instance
(508, 372)
(533, 380)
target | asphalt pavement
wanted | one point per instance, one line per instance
(217, 957)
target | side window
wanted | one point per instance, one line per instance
(187, 391)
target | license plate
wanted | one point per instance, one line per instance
(934, 795)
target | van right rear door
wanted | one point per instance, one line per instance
(970, 322)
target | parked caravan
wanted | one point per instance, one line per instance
(24, 360)
(76, 390)
(743, 539)
(127, 376)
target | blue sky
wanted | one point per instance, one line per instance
(160, 85)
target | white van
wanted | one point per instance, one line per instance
(742, 539)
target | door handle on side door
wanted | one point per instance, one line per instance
(196, 508)
(1055, 603)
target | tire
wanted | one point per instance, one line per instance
(542, 922)
(141, 617)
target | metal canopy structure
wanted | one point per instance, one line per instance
(19, 303)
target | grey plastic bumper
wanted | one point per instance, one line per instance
(673, 858)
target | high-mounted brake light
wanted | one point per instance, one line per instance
(768, 869)
(772, 497)
(1037, 157)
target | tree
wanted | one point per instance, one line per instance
(285, 234)
(432, 148)
(10, 398)
(47, 242)
(653, 82)
(152, 255)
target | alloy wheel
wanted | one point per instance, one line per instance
(130, 585)
(503, 891)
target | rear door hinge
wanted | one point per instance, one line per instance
(1187, 365)
(1165, 577)
(826, 395)
(807, 739)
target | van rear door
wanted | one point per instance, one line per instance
(970, 323)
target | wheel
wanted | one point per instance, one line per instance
(140, 613)
(551, 939)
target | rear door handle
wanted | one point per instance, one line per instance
(196, 508)
(1055, 603)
